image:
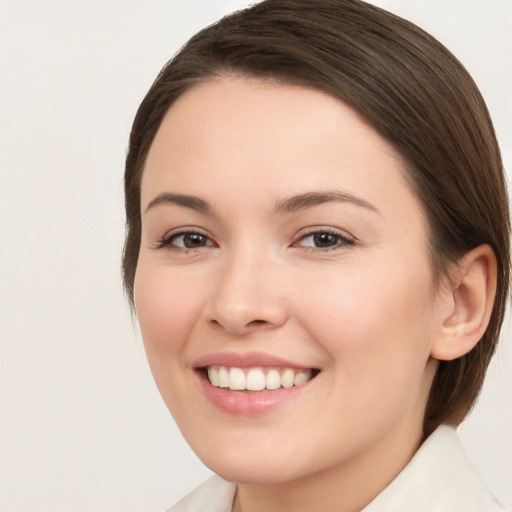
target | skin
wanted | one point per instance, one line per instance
(366, 313)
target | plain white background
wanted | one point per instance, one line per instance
(82, 427)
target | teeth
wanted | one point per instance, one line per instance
(302, 377)
(273, 380)
(213, 375)
(236, 379)
(223, 377)
(287, 378)
(256, 379)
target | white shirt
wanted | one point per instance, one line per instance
(439, 478)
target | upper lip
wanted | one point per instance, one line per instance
(245, 360)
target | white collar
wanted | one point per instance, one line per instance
(438, 478)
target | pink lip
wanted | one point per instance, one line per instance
(245, 360)
(242, 402)
(245, 403)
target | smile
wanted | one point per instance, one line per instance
(252, 383)
(257, 379)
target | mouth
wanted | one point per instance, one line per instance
(257, 379)
(253, 383)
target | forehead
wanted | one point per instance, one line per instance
(239, 134)
(262, 108)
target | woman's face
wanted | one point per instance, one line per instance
(281, 244)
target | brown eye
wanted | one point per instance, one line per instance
(193, 240)
(324, 240)
(187, 240)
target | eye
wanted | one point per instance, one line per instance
(324, 239)
(185, 240)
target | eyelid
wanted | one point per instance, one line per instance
(345, 238)
(165, 241)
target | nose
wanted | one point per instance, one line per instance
(247, 296)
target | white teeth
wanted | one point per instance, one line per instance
(223, 378)
(287, 378)
(302, 377)
(273, 380)
(256, 379)
(213, 375)
(236, 379)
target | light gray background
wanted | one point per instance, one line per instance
(82, 425)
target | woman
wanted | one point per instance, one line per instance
(318, 254)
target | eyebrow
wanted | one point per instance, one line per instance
(193, 202)
(288, 205)
(310, 199)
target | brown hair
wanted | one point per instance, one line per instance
(412, 90)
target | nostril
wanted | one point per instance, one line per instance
(256, 322)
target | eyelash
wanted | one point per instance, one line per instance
(343, 240)
(166, 240)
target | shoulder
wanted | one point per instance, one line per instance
(214, 495)
(438, 478)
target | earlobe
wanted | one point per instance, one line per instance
(472, 289)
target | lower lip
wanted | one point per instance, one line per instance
(246, 403)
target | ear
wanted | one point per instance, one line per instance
(472, 289)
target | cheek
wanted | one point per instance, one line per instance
(373, 324)
(377, 340)
(167, 307)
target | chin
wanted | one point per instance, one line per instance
(261, 472)
(252, 460)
